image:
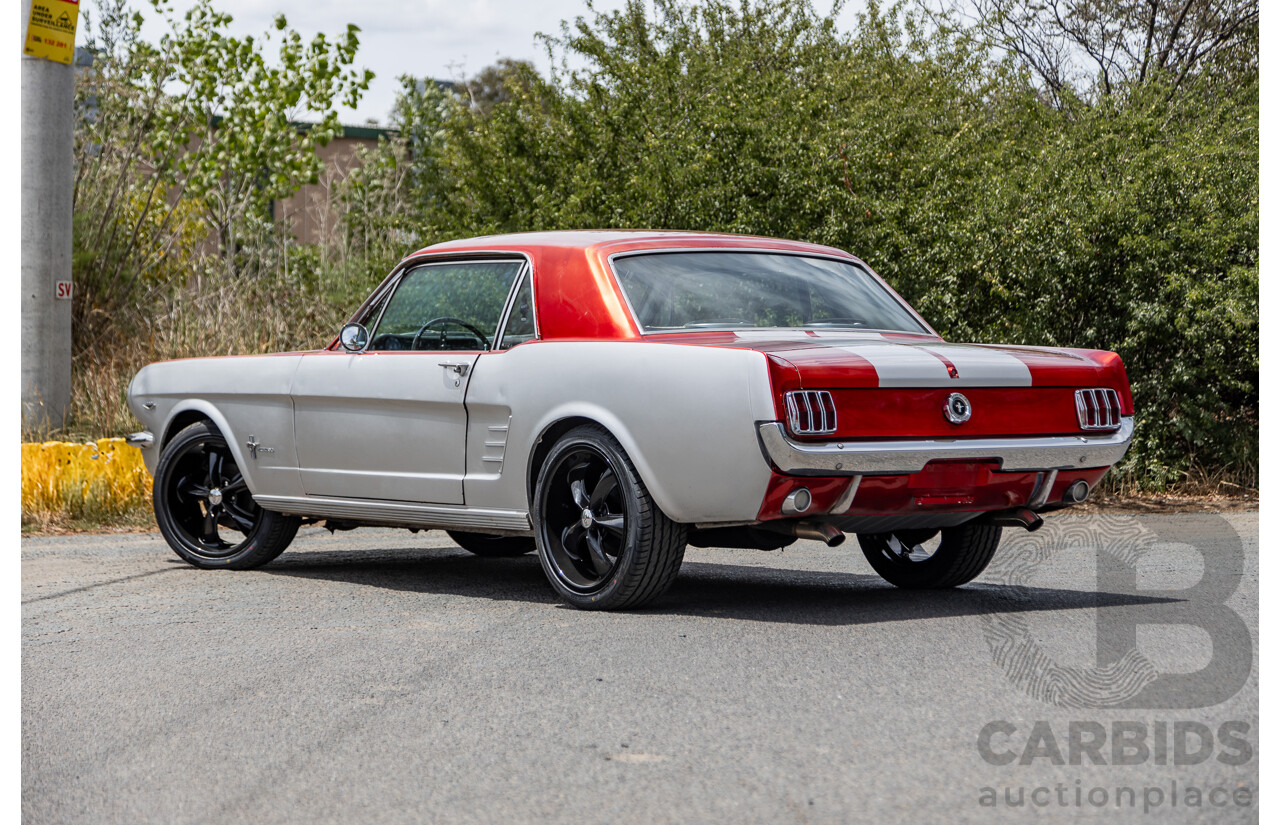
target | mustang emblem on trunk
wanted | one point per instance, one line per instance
(957, 409)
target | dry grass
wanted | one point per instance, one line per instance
(206, 318)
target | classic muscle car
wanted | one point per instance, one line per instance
(607, 398)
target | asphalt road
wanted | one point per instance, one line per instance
(379, 676)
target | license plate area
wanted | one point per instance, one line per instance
(955, 477)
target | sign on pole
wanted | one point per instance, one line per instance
(51, 31)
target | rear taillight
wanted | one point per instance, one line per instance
(1098, 409)
(811, 412)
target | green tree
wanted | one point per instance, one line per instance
(200, 120)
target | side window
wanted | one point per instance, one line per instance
(520, 325)
(447, 306)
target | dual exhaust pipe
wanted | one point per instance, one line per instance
(832, 536)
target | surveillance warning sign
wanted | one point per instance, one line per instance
(51, 31)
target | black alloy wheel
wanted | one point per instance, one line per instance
(586, 530)
(205, 509)
(602, 541)
(931, 559)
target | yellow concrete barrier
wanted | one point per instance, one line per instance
(101, 481)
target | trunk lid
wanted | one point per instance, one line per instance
(890, 385)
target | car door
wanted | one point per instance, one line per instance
(388, 422)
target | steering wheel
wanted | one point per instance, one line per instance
(447, 319)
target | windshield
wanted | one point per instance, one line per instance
(727, 290)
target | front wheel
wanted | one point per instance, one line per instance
(204, 508)
(931, 559)
(603, 542)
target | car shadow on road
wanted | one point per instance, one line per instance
(715, 590)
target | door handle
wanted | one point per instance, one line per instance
(459, 369)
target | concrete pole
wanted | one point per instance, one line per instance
(48, 100)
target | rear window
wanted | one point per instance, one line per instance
(730, 290)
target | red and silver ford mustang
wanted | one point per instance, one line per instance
(608, 398)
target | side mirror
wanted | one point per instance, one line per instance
(354, 337)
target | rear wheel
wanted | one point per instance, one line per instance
(492, 547)
(931, 559)
(603, 542)
(204, 508)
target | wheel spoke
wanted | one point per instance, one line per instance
(242, 520)
(603, 488)
(579, 491)
(209, 535)
(571, 539)
(212, 480)
(614, 524)
(599, 560)
(191, 488)
(234, 484)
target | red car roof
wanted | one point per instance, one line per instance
(575, 293)
(621, 240)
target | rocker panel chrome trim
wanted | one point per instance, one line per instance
(902, 457)
(401, 513)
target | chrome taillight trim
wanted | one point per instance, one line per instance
(811, 412)
(1098, 409)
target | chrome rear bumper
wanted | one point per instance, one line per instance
(836, 458)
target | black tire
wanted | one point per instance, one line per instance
(908, 558)
(493, 547)
(627, 553)
(198, 489)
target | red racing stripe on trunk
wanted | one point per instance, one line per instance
(951, 368)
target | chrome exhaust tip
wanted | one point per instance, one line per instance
(1017, 517)
(1076, 492)
(819, 531)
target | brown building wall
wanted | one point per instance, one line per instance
(312, 213)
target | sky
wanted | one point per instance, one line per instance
(437, 38)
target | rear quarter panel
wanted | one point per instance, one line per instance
(684, 414)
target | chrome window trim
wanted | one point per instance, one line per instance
(852, 260)
(1072, 452)
(527, 272)
(410, 264)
